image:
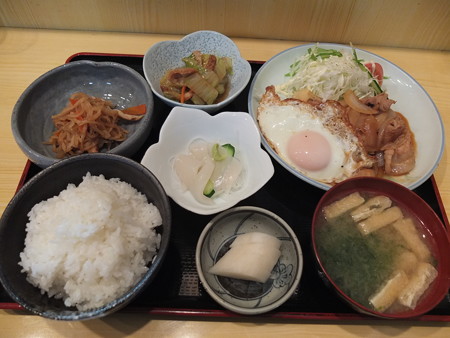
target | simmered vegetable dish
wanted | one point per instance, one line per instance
(203, 80)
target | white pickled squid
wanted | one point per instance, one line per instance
(226, 174)
(201, 180)
(199, 168)
(199, 148)
(186, 167)
(194, 173)
(194, 169)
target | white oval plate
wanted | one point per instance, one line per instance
(182, 126)
(413, 102)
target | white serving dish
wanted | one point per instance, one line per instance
(182, 126)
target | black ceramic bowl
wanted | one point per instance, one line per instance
(50, 182)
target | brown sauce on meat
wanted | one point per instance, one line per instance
(386, 136)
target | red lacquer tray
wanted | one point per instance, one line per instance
(176, 290)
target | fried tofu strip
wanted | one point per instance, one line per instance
(407, 229)
(373, 206)
(407, 261)
(343, 205)
(378, 221)
(417, 285)
(390, 291)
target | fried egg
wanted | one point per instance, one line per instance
(313, 139)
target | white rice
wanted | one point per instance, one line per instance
(91, 243)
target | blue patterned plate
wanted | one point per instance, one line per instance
(246, 297)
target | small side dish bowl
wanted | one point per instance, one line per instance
(31, 120)
(184, 125)
(425, 243)
(167, 55)
(246, 297)
(50, 182)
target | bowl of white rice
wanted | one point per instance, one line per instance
(84, 237)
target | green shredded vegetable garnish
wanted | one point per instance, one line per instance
(314, 54)
(375, 85)
(322, 53)
(329, 73)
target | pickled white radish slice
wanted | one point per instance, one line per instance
(257, 237)
(247, 260)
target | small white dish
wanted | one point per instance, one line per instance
(182, 126)
(246, 297)
(413, 102)
(167, 55)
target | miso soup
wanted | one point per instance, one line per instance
(375, 252)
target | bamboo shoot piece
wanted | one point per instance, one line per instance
(221, 68)
(211, 77)
(202, 88)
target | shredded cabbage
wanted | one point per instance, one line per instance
(327, 75)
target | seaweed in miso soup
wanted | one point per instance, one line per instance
(378, 267)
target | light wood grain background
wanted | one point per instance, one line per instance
(395, 23)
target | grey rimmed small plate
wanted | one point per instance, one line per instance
(31, 119)
(247, 297)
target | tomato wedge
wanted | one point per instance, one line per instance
(376, 70)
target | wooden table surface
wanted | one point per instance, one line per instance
(26, 54)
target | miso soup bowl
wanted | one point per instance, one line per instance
(412, 205)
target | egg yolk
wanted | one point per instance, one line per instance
(309, 150)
